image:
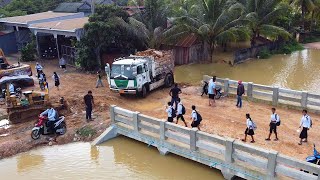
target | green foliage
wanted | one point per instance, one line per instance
(289, 47)
(311, 39)
(109, 27)
(86, 131)
(264, 54)
(29, 52)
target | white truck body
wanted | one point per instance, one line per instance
(139, 74)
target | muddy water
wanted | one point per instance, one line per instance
(120, 158)
(299, 70)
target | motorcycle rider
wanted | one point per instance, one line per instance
(52, 116)
(11, 88)
(38, 67)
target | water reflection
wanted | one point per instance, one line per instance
(299, 70)
(26, 162)
(94, 153)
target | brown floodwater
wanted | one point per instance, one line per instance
(299, 70)
(120, 158)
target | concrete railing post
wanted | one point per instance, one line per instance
(226, 86)
(250, 90)
(304, 99)
(275, 96)
(112, 114)
(193, 139)
(272, 162)
(229, 150)
(135, 121)
(162, 130)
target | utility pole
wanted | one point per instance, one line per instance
(92, 6)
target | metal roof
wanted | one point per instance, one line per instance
(70, 25)
(188, 41)
(39, 17)
(68, 7)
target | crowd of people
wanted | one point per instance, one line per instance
(43, 83)
(176, 110)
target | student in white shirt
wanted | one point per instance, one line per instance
(194, 117)
(249, 130)
(211, 91)
(273, 124)
(169, 110)
(306, 124)
(179, 112)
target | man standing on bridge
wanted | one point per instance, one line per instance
(306, 124)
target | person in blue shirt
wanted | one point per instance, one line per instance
(52, 116)
(211, 90)
(11, 88)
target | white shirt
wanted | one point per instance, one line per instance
(179, 109)
(305, 121)
(51, 113)
(249, 124)
(169, 111)
(194, 115)
(211, 87)
(38, 67)
(11, 88)
(275, 118)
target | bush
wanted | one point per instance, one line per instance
(28, 53)
(289, 47)
(264, 54)
(86, 131)
(311, 39)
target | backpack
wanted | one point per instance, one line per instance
(307, 117)
(279, 122)
(183, 110)
(199, 118)
(254, 126)
(173, 113)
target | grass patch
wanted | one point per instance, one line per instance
(264, 54)
(86, 131)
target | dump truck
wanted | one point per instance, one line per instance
(7, 69)
(141, 73)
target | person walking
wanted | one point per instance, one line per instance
(196, 118)
(170, 112)
(240, 92)
(63, 64)
(273, 124)
(38, 68)
(180, 112)
(306, 124)
(56, 79)
(88, 100)
(99, 80)
(211, 90)
(250, 129)
(174, 93)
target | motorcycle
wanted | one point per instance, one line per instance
(42, 128)
(314, 159)
(205, 90)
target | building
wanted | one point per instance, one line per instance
(74, 7)
(188, 50)
(54, 31)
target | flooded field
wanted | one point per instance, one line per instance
(120, 158)
(299, 71)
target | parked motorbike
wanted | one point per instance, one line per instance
(205, 90)
(42, 128)
(314, 159)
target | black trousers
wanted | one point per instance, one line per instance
(88, 112)
(180, 116)
(51, 126)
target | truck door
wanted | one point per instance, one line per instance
(142, 77)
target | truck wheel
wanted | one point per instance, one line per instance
(144, 91)
(168, 82)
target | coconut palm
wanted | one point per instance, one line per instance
(212, 21)
(305, 7)
(262, 14)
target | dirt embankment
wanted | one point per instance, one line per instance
(225, 119)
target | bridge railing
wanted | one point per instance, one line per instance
(223, 153)
(274, 95)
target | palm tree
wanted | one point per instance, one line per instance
(305, 6)
(212, 21)
(262, 14)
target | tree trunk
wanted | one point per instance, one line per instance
(98, 55)
(211, 49)
(303, 14)
(312, 21)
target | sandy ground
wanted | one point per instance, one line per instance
(225, 119)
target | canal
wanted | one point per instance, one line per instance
(299, 70)
(120, 158)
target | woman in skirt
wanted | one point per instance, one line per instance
(56, 79)
(249, 130)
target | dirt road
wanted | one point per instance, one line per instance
(225, 119)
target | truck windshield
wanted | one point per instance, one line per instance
(122, 72)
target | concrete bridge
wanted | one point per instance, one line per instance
(231, 156)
